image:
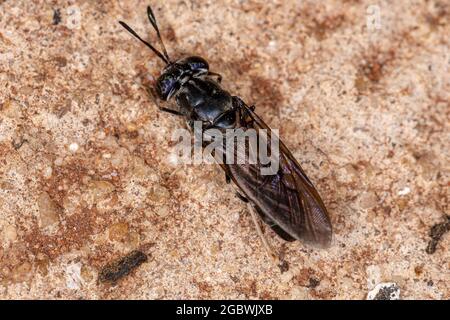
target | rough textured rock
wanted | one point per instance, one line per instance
(384, 291)
(85, 152)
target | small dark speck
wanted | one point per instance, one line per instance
(430, 283)
(313, 283)
(436, 233)
(17, 143)
(284, 266)
(117, 269)
(386, 293)
(56, 16)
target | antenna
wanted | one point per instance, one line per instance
(164, 57)
(152, 19)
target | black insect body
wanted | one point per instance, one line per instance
(287, 201)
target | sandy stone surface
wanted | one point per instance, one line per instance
(85, 176)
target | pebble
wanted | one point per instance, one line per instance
(47, 173)
(404, 191)
(101, 135)
(141, 170)
(163, 211)
(119, 158)
(159, 195)
(73, 147)
(9, 234)
(74, 17)
(118, 232)
(73, 276)
(368, 200)
(100, 189)
(58, 161)
(48, 210)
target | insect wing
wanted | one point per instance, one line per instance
(286, 200)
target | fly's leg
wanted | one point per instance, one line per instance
(266, 244)
(227, 173)
(228, 180)
(241, 104)
(152, 94)
(219, 76)
(171, 111)
(240, 196)
(269, 250)
(243, 112)
(246, 114)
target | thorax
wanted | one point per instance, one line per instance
(203, 99)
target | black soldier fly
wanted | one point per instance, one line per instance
(286, 200)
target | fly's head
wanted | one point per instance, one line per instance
(175, 74)
(178, 73)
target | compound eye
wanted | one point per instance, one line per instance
(165, 85)
(198, 64)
